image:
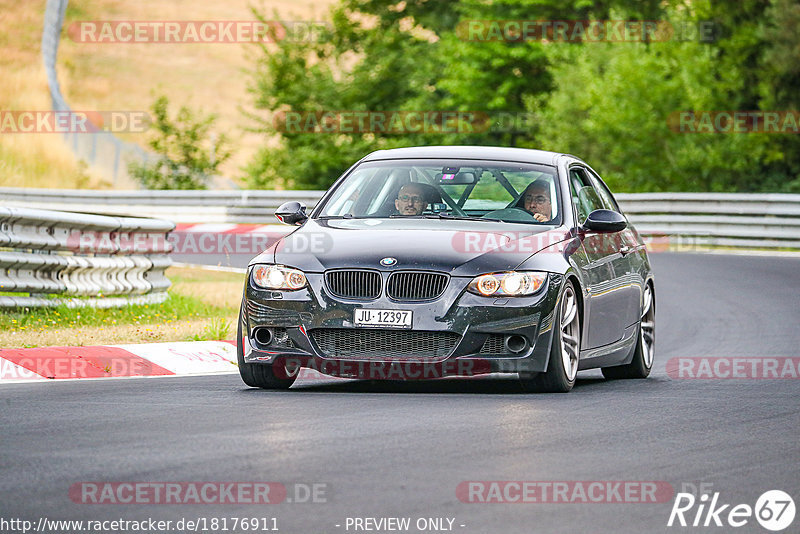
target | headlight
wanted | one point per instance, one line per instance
(278, 277)
(508, 284)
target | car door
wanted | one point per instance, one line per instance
(633, 257)
(607, 268)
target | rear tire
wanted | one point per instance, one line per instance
(260, 375)
(644, 353)
(562, 367)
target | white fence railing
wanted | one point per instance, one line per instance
(49, 258)
(719, 219)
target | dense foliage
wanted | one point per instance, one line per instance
(611, 103)
(186, 157)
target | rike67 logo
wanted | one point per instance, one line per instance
(774, 510)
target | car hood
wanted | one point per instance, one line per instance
(460, 248)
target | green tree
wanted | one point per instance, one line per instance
(186, 156)
(362, 64)
(382, 55)
(609, 103)
(779, 87)
(613, 105)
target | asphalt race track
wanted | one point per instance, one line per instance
(401, 449)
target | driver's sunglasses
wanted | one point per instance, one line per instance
(539, 199)
(407, 198)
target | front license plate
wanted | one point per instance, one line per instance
(390, 318)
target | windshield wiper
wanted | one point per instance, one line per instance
(448, 216)
(345, 216)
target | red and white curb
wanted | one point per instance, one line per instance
(118, 361)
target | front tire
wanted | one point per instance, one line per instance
(644, 353)
(562, 367)
(260, 375)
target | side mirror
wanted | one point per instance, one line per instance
(292, 212)
(605, 221)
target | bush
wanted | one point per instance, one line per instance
(187, 158)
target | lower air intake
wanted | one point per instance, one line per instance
(377, 344)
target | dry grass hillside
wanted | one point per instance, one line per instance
(207, 77)
(32, 160)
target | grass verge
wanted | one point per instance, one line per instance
(201, 305)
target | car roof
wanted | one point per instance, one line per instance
(524, 155)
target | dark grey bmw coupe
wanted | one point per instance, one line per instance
(429, 262)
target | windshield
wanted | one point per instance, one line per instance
(489, 190)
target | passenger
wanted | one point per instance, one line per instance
(536, 200)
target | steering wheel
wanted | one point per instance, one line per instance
(511, 214)
(458, 211)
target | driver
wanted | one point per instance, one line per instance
(411, 200)
(536, 200)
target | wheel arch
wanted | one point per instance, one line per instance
(578, 293)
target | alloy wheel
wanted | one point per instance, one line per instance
(570, 333)
(647, 332)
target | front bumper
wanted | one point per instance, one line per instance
(478, 324)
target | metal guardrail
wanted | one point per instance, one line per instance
(701, 219)
(242, 206)
(113, 261)
(751, 220)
